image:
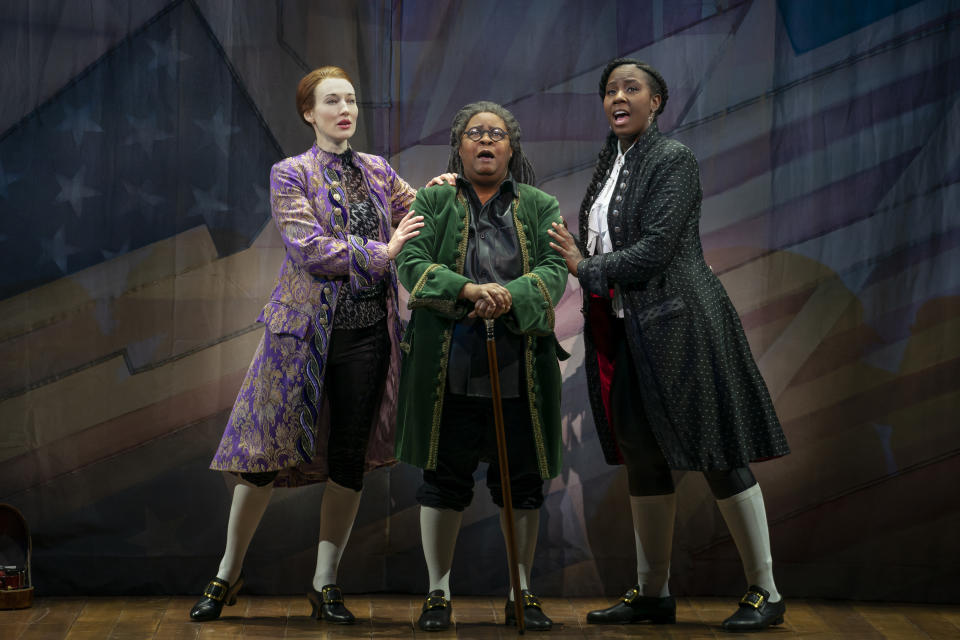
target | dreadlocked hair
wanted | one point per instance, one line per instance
(520, 167)
(656, 83)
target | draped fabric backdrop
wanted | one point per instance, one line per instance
(136, 250)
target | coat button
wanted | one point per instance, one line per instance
(617, 229)
(626, 172)
(615, 213)
(623, 185)
(336, 196)
(619, 198)
(619, 243)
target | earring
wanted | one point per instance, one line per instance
(650, 119)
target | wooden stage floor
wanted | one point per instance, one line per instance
(394, 616)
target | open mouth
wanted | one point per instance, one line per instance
(486, 153)
(344, 123)
(620, 116)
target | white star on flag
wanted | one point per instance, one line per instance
(167, 54)
(208, 206)
(141, 194)
(72, 190)
(219, 129)
(79, 122)
(145, 132)
(6, 179)
(58, 250)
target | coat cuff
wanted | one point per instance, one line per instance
(548, 305)
(424, 296)
(368, 263)
(592, 276)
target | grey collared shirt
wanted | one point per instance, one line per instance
(493, 255)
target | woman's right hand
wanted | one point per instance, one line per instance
(409, 227)
(564, 244)
(448, 178)
(490, 300)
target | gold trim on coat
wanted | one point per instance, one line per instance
(445, 345)
(531, 393)
(541, 285)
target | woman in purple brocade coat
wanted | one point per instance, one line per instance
(319, 400)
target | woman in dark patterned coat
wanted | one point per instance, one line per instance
(673, 384)
(319, 400)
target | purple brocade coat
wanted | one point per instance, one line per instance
(274, 422)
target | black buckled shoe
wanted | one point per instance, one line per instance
(328, 605)
(534, 619)
(217, 594)
(436, 612)
(755, 612)
(634, 608)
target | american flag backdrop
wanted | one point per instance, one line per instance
(136, 250)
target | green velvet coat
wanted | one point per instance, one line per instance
(430, 266)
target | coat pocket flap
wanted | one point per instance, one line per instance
(280, 318)
(661, 311)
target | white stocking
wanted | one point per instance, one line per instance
(653, 518)
(746, 517)
(527, 525)
(438, 530)
(338, 510)
(246, 510)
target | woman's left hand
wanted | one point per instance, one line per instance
(564, 244)
(409, 227)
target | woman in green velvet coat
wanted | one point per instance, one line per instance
(483, 252)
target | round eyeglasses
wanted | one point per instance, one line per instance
(476, 133)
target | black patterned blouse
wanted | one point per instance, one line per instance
(355, 311)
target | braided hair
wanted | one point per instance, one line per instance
(608, 153)
(520, 167)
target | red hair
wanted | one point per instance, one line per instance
(308, 84)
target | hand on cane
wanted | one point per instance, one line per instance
(490, 300)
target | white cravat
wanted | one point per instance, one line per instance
(598, 234)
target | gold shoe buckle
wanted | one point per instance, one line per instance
(328, 599)
(216, 590)
(631, 595)
(752, 599)
(530, 600)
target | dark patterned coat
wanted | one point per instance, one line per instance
(703, 395)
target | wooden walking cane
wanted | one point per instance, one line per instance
(512, 560)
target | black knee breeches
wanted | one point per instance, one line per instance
(356, 371)
(466, 437)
